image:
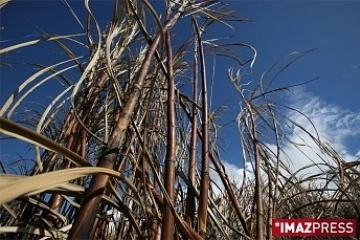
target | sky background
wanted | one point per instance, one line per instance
(279, 28)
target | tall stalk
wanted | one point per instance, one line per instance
(86, 215)
(190, 199)
(167, 231)
(116, 150)
(204, 182)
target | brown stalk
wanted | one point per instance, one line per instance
(55, 201)
(78, 138)
(49, 164)
(204, 182)
(273, 191)
(228, 187)
(167, 230)
(190, 198)
(270, 207)
(87, 212)
(184, 228)
(258, 182)
(155, 226)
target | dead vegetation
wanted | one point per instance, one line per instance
(124, 153)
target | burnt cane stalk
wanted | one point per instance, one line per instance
(167, 231)
(73, 141)
(190, 198)
(204, 182)
(228, 188)
(92, 197)
(258, 186)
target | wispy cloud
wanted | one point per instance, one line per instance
(334, 124)
(234, 173)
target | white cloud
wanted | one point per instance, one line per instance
(334, 125)
(357, 154)
(234, 173)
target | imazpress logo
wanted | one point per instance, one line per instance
(313, 227)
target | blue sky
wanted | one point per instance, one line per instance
(280, 27)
